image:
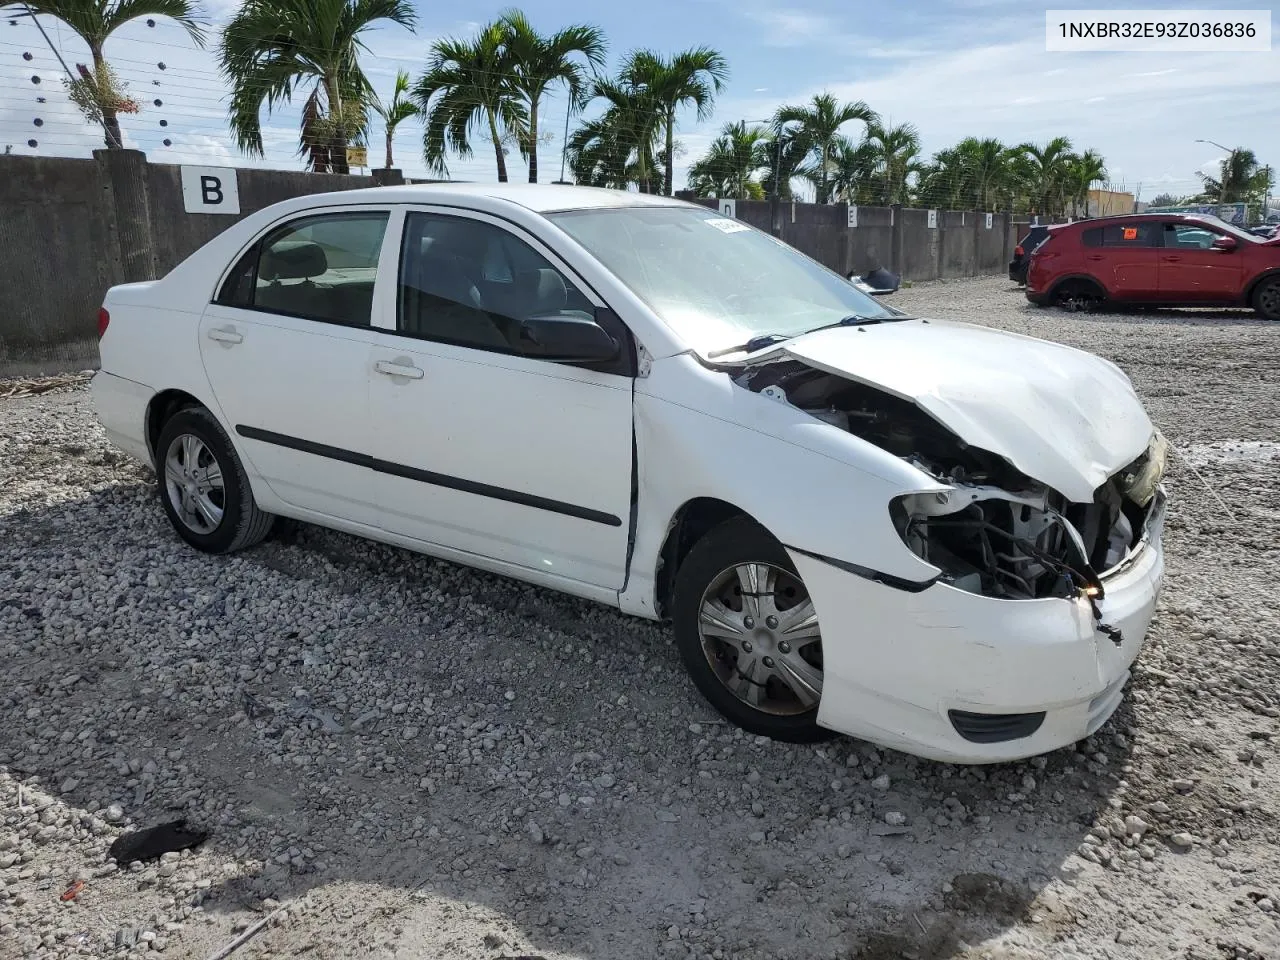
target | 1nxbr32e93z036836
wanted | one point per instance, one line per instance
(937, 537)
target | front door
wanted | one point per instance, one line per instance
(286, 347)
(480, 447)
(1191, 269)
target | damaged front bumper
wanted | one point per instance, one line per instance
(952, 675)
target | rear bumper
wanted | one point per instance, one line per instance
(896, 663)
(1017, 271)
(121, 406)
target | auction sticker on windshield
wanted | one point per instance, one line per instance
(725, 225)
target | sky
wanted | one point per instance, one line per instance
(953, 69)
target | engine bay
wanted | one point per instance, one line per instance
(995, 532)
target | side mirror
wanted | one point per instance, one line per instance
(568, 338)
(877, 282)
(1225, 244)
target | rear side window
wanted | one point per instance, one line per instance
(321, 268)
(1123, 235)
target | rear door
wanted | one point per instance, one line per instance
(1125, 258)
(1191, 270)
(286, 346)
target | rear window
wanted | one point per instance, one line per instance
(1035, 236)
(1123, 235)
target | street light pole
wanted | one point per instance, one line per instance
(1231, 153)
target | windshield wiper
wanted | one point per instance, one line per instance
(854, 320)
(751, 346)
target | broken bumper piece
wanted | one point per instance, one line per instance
(899, 665)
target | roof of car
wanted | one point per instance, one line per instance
(538, 197)
(1095, 221)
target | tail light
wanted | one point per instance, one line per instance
(1018, 251)
(104, 318)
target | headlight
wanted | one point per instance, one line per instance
(1139, 483)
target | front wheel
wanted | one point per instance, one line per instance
(748, 632)
(1266, 299)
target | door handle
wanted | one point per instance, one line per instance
(1171, 259)
(398, 368)
(1093, 256)
(224, 336)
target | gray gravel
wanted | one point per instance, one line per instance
(421, 761)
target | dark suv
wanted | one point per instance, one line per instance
(1022, 253)
(1172, 260)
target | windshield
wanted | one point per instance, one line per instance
(1220, 224)
(716, 281)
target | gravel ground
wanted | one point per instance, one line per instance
(398, 757)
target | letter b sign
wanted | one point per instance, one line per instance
(210, 190)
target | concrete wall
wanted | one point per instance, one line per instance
(71, 228)
(58, 247)
(960, 245)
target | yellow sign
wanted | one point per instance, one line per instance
(357, 157)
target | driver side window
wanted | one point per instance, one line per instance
(1188, 237)
(472, 284)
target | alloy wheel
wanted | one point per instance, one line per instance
(193, 482)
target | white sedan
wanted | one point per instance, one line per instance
(933, 536)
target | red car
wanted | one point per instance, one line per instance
(1178, 260)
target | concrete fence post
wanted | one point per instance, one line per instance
(898, 226)
(124, 174)
(387, 177)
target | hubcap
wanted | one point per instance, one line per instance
(760, 635)
(193, 483)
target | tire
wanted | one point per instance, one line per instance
(716, 648)
(212, 518)
(1078, 296)
(1266, 298)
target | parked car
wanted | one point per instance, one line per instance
(938, 537)
(1022, 253)
(1180, 260)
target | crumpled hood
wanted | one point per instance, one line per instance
(1062, 416)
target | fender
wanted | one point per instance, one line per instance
(782, 467)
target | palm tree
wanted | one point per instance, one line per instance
(272, 45)
(690, 78)
(895, 150)
(397, 111)
(98, 94)
(467, 83)
(537, 62)
(728, 170)
(785, 153)
(816, 128)
(854, 180)
(1241, 179)
(1044, 173)
(618, 148)
(1083, 170)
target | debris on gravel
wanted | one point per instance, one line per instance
(398, 757)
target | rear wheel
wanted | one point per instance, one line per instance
(203, 486)
(1266, 298)
(1079, 295)
(748, 632)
